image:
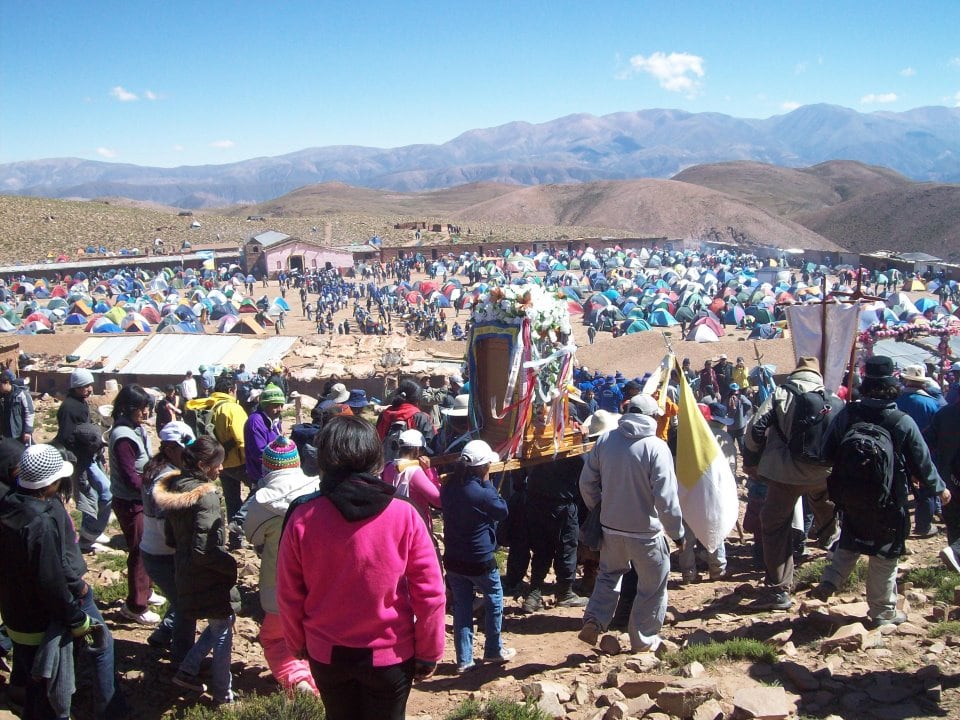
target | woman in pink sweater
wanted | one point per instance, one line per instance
(358, 582)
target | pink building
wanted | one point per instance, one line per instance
(271, 252)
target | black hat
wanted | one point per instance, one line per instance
(878, 367)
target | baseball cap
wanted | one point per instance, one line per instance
(41, 466)
(177, 431)
(411, 438)
(645, 405)
(476, 453)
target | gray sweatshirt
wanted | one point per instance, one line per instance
(631, 470)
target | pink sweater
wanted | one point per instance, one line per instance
(373, 583)
(424, 490)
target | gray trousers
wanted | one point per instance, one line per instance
(881, 580)
(776, 517)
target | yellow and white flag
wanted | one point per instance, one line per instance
(706, 486)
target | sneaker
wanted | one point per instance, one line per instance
(589, 633)
(304, 688)
(777, 601)
(147, 617)
(949, 558)
(571, 599)
(719, 574)
(899, 617)
(505, 656)
(466, 667)
(532, 602)
(188, 682)
(94, 548)
(688, 577)
(823, 591)
(156, 599)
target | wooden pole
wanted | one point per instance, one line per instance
(823, 324)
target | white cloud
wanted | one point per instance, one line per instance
(878, 98)
(123, 95)
(222, 144)
(957, 98)
(954, 62)
(150, 95)
(908, 72)
(106, 152)
(800, 68)
(178, 148)
(789, 105)
(676, 72)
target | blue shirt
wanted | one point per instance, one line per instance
(918, 405)
(471, 510)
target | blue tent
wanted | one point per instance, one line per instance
(443, 301)
(108, 328)
(662, 318)
(75, 319)
(185, 313)
(101, 307)
(924, 304)
(282, 304)
(636, 325)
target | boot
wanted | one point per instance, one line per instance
(533, 601)
(566, 597)
(590, 570)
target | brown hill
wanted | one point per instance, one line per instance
(860, 207)
(647, 208)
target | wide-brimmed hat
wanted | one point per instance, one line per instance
(718, 411)
(41, 466)
(338, 393)
(602, 421)
(476, 453)
(358, 399)
(914, 373)
(461, 407)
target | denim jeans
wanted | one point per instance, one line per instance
(108, 701)
(462, 587)
(651, 560)
(716, 560)
(175, 629)
(926, 508)
(881, 580)
(95, 506)
(216, 636)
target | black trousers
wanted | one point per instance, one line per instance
(353, 689)
(552, 529)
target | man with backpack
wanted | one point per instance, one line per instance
(875, 450)
(784, 440)
(222, 416)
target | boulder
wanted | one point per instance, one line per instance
(848, 637)
(800, 676)
(683, 697)
(710, 710)
(541, 688)
(762, 703)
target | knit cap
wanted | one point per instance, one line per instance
(281, 454)
(272, 395)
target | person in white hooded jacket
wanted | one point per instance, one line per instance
(631, 470)
(283, 481)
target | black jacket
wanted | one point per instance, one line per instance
(42, 566)
(72, 412)
(206, 574)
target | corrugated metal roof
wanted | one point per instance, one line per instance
(175, 353)
(270, 237)
(114, 350)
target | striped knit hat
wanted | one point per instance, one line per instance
(272, 395)
(281, 454)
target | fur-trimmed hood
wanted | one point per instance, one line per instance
(180, 492)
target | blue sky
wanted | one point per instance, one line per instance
(188, 83)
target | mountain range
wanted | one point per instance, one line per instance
(921, 144)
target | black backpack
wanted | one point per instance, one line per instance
(812, 413)
(391, 441)
(863, 474)
(862, 484)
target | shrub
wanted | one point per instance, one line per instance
(936, 578)
(733, 649)
(950, 627)
(496, 709)
(278, 706)
(811, 572)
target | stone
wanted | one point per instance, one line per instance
(609, 697)
(873, 640)
(937, 648)
(617, 711)
(541, 688)
(934, 693)
(848, 612)
(683, 697)
(916, 597)
(649, 685)
(789, 649)
(880, 653)
(909, 629)
(939, 612)
(710, 710)
(763, 703)
(833, 663)
(693, 670)
(581, 694)
(782, 638)
(848, 637)
(928, 672)
(610, 645)
(551, 706)
(799, 676)
(638, 706)
(658, 716)
(698, 637)
(613, 678)
(642, 662)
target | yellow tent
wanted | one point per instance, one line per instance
(915, 285)
(81, 307)
(116, 314)
(248, 326)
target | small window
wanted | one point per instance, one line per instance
(314, 262)
(279, 266)
(255, 249)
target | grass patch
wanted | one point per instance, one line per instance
(111, 561)
(500, 555)
(279, 706)
(110, 594)
(948, 627)
(496, 709)
(733, 649)
(810, 574)
(936, 578)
